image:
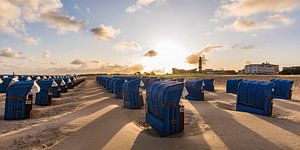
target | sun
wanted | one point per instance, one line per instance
(171, 54)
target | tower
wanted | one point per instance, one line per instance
(200, 64)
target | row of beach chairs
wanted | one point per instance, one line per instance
(163, 109)
(20, 92)
(257, 96)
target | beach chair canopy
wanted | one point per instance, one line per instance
(232, 85)
(208, 85)
(282, 88)
(194, 89)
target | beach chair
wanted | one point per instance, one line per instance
(44, 97)
(209, 85)
(69, 83)
(55, 90)
(282, 89)
(18, 101)
(232, 85)
(194, 89)
(61, 85)
(118, 84)
(132, 97)
(255, 97)
(163, 111)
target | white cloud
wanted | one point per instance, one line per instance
(31, 41)
(270, 13)
(16, 14)
(88, 10)
(9, 17)
(245, 8)
(127, 46)
(10, 53)
(139, 5)
(105, 32)
(62, 22)
(46, 54)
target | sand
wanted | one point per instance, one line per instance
(88, 117)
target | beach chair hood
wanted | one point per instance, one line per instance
(35, 88)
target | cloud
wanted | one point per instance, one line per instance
(62, 22)
(126, 46)
(76, 7)
(247, 62)
(127, 69)
(10, 14)
(46, 54)
(10, 53)
(105, 32)
(281, 19)
(30, 41)
(245, 8)
(78, 62)
(105, 68)
(151, 53)
(194, 57)
(243, 47)
(139, 5)
(53, 63)
(95, 61)
(248, 25)
(88, 10)
(269, 12)
(16, 14)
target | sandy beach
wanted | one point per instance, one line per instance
(88, 117)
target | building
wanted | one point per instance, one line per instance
(290, 70)
(261, 69)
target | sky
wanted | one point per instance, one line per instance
(126, 36)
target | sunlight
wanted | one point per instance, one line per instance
(170, 54)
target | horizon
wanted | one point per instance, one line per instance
(86, 37)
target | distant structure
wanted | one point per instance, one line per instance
(182, 71)
(290, 70)
(261, 69)
(200, 65)
(223, 72)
